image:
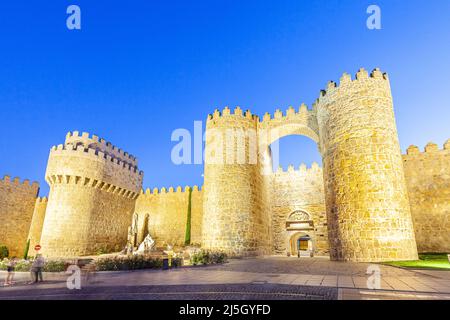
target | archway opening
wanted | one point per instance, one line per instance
(301, 244)
(297, 203)
(294, 150)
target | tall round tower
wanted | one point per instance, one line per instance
(367, 203)
(93, 187)
(232, 201)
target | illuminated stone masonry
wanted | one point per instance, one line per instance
(17, 201)
(428, 180)
(93, 191)
(298, 209)
(368, 202)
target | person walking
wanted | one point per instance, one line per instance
(37, 267)
(10, 268)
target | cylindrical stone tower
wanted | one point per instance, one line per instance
(367, 203)
(233, 214)
(93, 188)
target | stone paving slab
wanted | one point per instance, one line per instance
(329, 281)
(358, 294)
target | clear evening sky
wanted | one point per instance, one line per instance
(137, 70)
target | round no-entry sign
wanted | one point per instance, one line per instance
(37, 247)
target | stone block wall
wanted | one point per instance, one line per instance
(368, 213)
(428, 180)
(92, 197)
(163, 215)
(17, 200)
(298, 190)
(37, 223)
(84, 220)
(235, 218)
(292, 122)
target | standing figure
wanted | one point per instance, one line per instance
(37, 267)
(10, 268)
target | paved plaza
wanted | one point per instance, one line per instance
(257, 278)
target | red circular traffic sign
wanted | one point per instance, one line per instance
(37, 247)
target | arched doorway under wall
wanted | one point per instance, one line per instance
(300, 234)
(301, 244)
(294, 180)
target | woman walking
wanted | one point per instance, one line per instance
(10, 268)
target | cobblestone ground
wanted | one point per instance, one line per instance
(258, 278)
(194, 292)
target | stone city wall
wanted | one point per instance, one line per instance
(371, 194)
(163, 214)
(17, 200)
(428, 180)
(298, 190)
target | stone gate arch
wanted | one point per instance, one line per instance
(306, 246)
(367, 205)
(299, 224)
(303, 122)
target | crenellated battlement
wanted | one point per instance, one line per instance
(226, 112)
(76, 160)
(93, 141)
(302, 111)
(430, 148)
(302, 121)
(169, 190)
(277, 115)
(302, 170)
(361, 80)
(80, 150)
(26, 184)
(41, 200)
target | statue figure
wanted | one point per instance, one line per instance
(130, 242)
(146, 245)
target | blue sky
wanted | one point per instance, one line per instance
(137, 70)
